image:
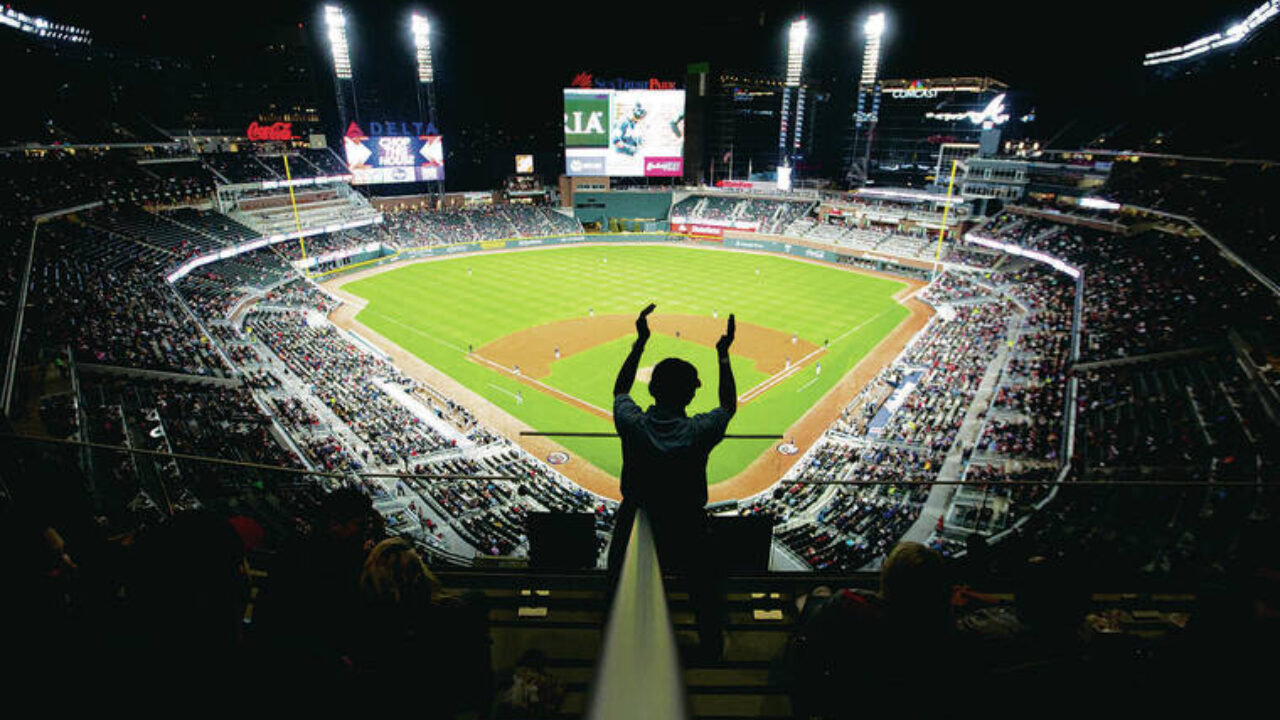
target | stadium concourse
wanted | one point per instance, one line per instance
(1064, 348)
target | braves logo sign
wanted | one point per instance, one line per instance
(582, 80)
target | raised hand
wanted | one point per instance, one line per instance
(722, 345)
(642, 322)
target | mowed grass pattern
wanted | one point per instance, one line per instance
(439, 308)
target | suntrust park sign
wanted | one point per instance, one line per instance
(591, 82)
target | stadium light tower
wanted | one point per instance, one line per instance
(335, 21)
(420, 28)
(791, 124)
(868, 110)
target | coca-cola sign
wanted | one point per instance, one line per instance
(274, 131)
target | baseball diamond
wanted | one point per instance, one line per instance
(539, 334)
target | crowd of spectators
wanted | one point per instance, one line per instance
(1149, 292)
(351, 382)
(300, 294)
(954, 287)
(952, 356)
(1233, 201)
(214, 290)
(199, 419)
(416, 227)
(857, 524)
(33, 182)
(534, 487)
(111, 316)
(1196, 416)
(764, 215)
(206, 595)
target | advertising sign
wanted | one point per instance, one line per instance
(274, 131)
(624, 133)
(393, 158)
(698, 230)
(524, 164)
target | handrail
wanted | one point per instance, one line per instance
(11, 365)
(639, 675)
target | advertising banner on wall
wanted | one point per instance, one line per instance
(698, 230)
(624, 133)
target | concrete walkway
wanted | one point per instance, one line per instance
(425, 414)
(952, 465)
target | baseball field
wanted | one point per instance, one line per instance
(541, 334)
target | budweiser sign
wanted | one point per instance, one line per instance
(274, 131)
(663, 167)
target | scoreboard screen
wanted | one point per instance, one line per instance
(624, 133)
(394, 158)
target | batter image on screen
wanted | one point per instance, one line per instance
(628, 140)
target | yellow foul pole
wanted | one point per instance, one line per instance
(942, 231)
(293, 202)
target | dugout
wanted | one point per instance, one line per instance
(622, 210)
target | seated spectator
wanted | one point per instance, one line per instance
(307, 614)
(854, 640)
(1040, 642)
(411, 630)
(188, 598)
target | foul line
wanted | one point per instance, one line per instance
(779, 377)
(416, 331)
(802, 387)
(541, 385)
(503, 390)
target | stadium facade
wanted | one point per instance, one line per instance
(922, 124)
(733, 121)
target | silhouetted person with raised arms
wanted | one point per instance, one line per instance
(664, 470)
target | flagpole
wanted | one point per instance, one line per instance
(730, 162)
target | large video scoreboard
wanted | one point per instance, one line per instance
(393, 153)
(624, 133)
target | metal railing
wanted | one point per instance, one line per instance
(638, 676)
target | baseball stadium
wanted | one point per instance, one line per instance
(315, 372)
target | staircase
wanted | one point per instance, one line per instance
(563, 616)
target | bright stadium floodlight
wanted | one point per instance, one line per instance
(421, 28)
(42, 28)
(873, 30)
(1237, 32)
(796, 38)
(337, 22)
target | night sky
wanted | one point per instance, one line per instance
(505, 63)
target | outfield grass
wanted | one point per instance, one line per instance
(437, 309)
